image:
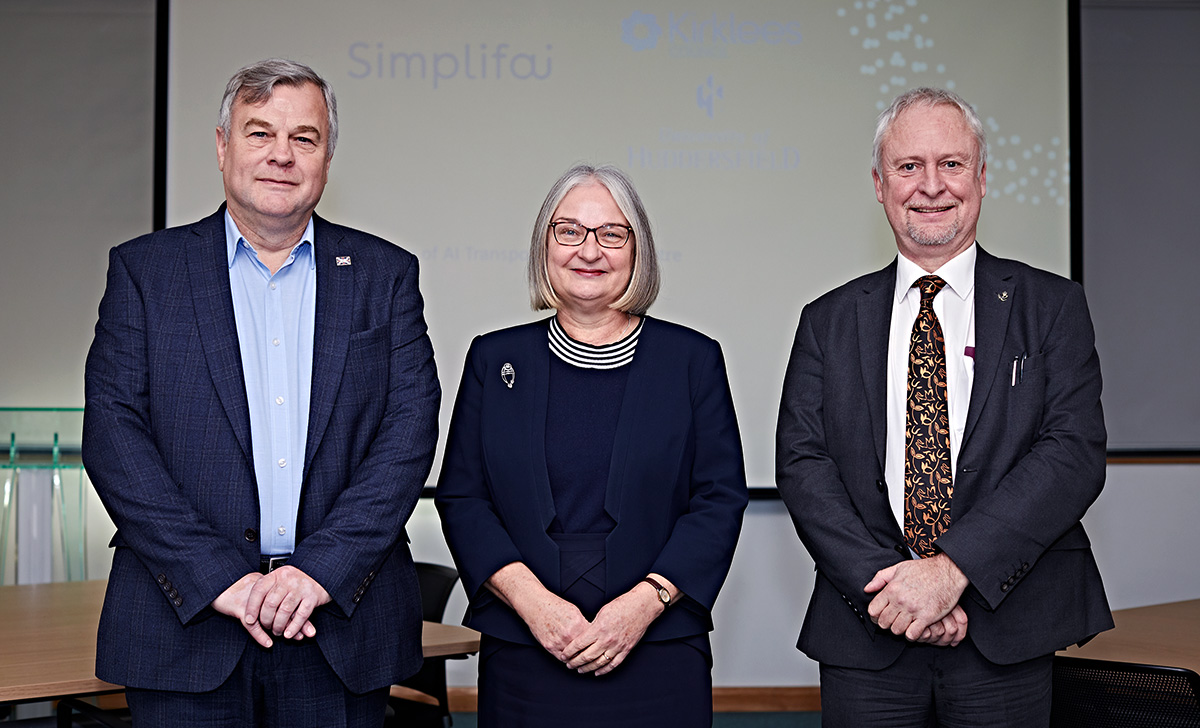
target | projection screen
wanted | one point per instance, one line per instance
(746, 126)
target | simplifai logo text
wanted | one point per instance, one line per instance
(643, 31)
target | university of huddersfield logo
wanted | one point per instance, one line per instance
(706, 93)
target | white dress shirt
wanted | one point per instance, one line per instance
(955, 309)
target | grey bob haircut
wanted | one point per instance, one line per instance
(645, 280)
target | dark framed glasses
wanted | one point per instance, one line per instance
(611, 235)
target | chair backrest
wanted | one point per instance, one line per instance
(436, 582)
(1101, 693)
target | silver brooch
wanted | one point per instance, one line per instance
(1002, 295)
(508, 375)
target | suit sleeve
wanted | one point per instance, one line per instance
(1056, 478)
(697, 556)
(368, 517)
(809, 479)
(477, 538)
(126, 467)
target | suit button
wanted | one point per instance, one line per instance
(251, 535)
(177, 602)
(162, 578)
(1004, 587)
(357, 598)
(173, 594)
(901, 549)
(1025, 566)
(880, 485)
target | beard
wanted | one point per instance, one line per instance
(932, 236)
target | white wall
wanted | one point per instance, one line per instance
(1145, 535)
(78, 92)
(78, 85)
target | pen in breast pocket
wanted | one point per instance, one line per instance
(1018, 368)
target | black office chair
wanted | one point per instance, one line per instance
(436, 582)
(79, 712)
(1104, 694)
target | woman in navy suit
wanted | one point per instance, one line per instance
(593, 484)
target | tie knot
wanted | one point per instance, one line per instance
(929, 285)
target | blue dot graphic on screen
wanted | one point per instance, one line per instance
(630, 26)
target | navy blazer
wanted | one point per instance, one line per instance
(676, 485)
(166, 443)
(1032, 461)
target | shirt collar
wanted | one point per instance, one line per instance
(958, 272)
(233, 237)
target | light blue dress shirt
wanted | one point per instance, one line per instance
(275, 317)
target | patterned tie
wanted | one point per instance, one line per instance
(927, 477)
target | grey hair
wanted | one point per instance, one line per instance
(645, 280)
(928, 97)
(256, 82)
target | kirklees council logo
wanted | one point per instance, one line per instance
(640, 31)
(691, 34)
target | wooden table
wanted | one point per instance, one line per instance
(448, 640)
(48, 641)
(1163, 634)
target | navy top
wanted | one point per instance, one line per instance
(587, 386)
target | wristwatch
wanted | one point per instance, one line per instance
(664, 596)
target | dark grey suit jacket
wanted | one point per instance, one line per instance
(166, 443)
(1031, 462)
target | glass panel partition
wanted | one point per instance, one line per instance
(43, 496)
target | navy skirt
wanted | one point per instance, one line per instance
(659, 683)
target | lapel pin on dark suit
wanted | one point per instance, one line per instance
(342, 260)
(1002, 295)
(508, 375)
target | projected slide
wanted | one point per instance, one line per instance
(746, 125)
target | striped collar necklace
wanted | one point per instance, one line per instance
(589, 356)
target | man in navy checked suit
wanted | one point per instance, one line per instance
(261, 417)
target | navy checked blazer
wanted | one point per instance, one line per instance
(166, 443)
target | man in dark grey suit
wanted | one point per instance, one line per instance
(937, 453)
(261, 417)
